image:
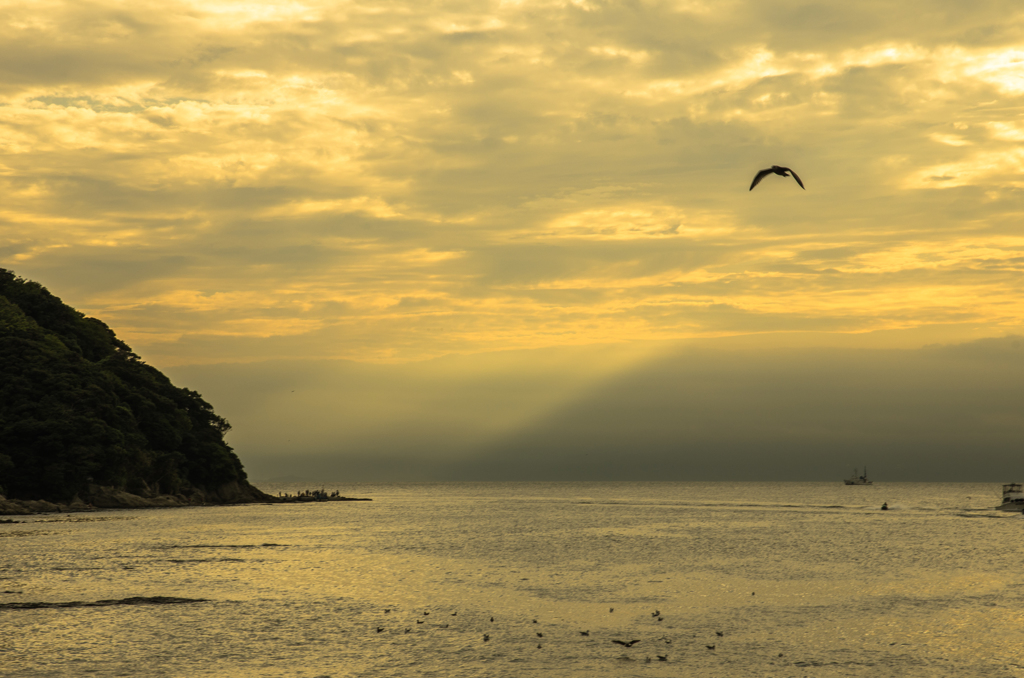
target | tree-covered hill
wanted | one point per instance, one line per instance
(81, 415)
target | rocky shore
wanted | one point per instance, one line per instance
(111, 498)
(99, 497)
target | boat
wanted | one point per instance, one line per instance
(1013, 497)
(858, 479)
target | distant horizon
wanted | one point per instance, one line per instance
(313, 484)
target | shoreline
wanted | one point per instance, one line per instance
(103, 498)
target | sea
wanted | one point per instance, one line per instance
(526, 579)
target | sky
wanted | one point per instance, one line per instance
(514, 240)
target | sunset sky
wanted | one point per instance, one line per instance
(489, 240)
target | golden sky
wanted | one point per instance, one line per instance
(390, 182)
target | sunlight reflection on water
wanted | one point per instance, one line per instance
(800, 579)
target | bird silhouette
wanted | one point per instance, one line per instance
(486, 637)
(662, 657)
(720, 633)
(625, 644)
(584, 633)
(710, 647)
(540, 635)
(655, 613)
(775, 169)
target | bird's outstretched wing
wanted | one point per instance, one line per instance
(795, 177)
(760, 175)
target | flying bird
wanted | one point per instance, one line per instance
(625, 644)
(775, 169)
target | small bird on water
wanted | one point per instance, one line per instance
(775, 169)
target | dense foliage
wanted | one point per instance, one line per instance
(77, 407)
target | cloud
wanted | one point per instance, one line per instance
(532, 173)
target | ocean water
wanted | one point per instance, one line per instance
(800, 579)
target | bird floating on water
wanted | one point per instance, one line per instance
(775, 169)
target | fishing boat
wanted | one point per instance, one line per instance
(1013, 498)
(858, 479)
